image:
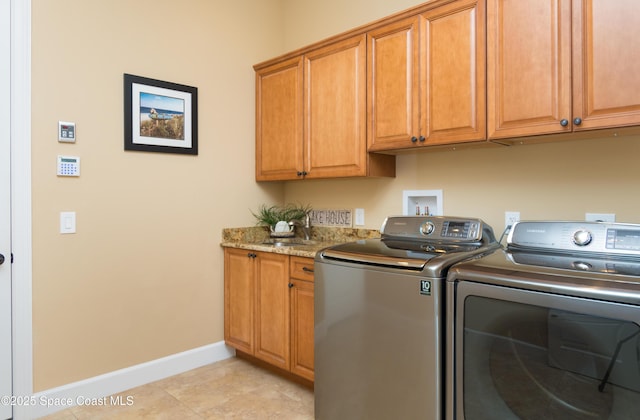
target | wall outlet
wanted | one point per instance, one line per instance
(510, 217)
(600, 217)
(359, 217)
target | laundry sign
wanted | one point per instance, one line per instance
(331, 218)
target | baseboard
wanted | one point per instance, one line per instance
(131, 377)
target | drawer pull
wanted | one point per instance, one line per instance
(307, 270)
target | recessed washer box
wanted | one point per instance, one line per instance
(422, 203)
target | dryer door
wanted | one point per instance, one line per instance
(523, 354)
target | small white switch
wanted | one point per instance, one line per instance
(68, 222)
(359, 217)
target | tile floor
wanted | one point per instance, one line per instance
(229, 389)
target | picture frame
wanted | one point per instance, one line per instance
(160, 116)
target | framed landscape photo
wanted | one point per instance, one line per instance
(160, 116)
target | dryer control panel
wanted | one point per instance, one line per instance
(572, 237)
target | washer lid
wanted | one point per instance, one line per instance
(409, 255)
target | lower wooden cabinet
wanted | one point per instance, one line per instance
(239, 299)
(301, 285)
(272, 309)
(268, 308)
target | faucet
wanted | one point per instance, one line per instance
(306, 226)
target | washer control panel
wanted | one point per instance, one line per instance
(433, 228)
(597, 237)
(466, 229)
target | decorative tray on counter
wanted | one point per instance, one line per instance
(279, 233)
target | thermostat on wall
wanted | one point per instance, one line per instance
(66, 132)
(68, 166)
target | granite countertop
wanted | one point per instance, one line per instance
(253, 238)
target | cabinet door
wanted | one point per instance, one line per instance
(528, 67)
(606, 73)
(239, 299)
(272, 309)
(302, 328)
(279, 121)
(335, 102)
(453, 74)
(393, 85)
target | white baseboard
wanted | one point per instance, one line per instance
(123, 379)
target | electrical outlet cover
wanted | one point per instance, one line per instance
(510, 217)
(600, 217)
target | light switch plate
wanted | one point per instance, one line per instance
(67, 222)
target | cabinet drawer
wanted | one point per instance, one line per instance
(301, 268)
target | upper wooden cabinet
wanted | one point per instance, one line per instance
(334, 98)
(447, 72)
(311, 116)
(279, 117)
(426, 78)
(560, 66)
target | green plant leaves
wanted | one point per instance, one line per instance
(270, 215)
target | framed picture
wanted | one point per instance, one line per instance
(160, 116)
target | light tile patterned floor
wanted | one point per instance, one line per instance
(230, 389)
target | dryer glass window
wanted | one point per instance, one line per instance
(525, 361)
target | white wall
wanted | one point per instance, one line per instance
(143, 276)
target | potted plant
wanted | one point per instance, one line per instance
(278, 218)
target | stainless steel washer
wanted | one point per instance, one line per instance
(548, 328)
(379, 317)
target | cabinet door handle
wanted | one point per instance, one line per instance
(299, 173)
(307, 270)
(577, 120)
(564, 122)
(422, 139)
(414, 139)
(251, 255)
(290, 285)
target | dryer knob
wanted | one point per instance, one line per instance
(427, 228)
(582, 237)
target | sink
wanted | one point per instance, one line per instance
(288, 242)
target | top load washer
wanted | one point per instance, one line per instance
(379, 317)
